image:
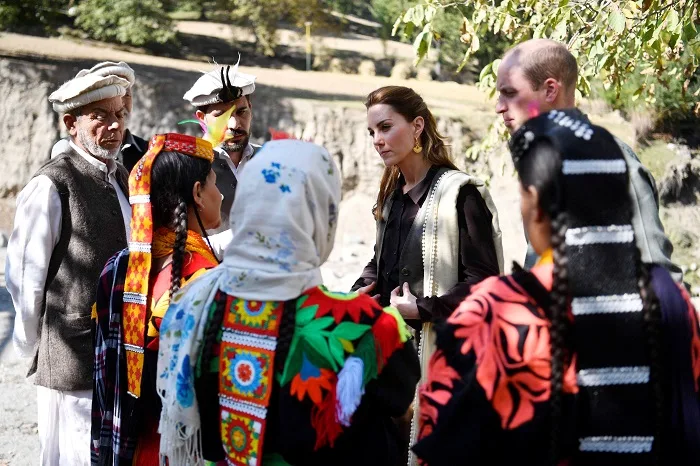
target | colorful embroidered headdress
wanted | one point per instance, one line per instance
(601, 264)
(138, 271)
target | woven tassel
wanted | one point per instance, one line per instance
(349, 390)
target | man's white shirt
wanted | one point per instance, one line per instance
(36, 232)
(220, 240)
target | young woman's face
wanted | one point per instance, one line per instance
(537, 224)
(393, 137)
(211, 200)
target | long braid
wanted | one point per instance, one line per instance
(651, 311)
(284, 339)
(178, 246)
(213, 328)
(559, 328)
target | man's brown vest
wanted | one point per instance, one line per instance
(92, 230)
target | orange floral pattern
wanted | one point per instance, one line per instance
(509, 335)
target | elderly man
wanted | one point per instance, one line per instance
(214, 94)
(133, 147)
(72, 216)
(540, 75)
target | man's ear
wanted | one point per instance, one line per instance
(552, 88)
(70, 122)
(199, 114)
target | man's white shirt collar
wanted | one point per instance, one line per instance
(245, 156)
(107, 168)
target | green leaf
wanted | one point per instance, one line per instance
(337, 350)
(292, 365)
(365, 350)
(397, 23)
(408, 30)
(474, 46)
(430, 13)
(616, 21)
(689, 31)
(317, 325)
(316, 348)
(539, 31)
(422, 45)
(560, 29)
(672, 20)
(408, 16)
(306, 315)
(350, 330)
(418, 15)
(486, 70)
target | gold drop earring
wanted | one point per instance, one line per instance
(417, 147)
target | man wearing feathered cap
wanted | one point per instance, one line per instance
(224, 93)
(72, 216)
(133, 147)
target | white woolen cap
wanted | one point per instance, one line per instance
(205, 90)
(87, 89)
(108, 68)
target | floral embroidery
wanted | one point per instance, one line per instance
(276, 172)
(440, 381)
(253, 313)
(340, 304)
(271, 176)
(185, 394)
(243, 371)
(246, 373)
(311, 380)
(509, 336)
(321, 348)
(283, 249)
(241, 437)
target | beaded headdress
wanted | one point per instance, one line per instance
(602, 267)
(138, 270)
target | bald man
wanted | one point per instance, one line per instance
(540, 75)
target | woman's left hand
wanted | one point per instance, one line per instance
(405, 302)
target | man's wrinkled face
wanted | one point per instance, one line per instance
(238, 126)
(517, 100)
(99, 127)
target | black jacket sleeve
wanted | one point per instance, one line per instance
(369, 274)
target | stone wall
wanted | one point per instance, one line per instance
(29, 128)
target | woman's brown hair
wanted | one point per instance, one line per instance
(406, 102)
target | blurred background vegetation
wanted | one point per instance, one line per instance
(653, 94)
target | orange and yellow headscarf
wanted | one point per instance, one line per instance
(139, 268)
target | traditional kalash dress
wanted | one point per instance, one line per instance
(487, 398)
(260, 364)
(131, 302)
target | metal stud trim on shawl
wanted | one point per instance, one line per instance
(606, 304)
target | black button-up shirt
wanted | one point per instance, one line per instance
(477, 253)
